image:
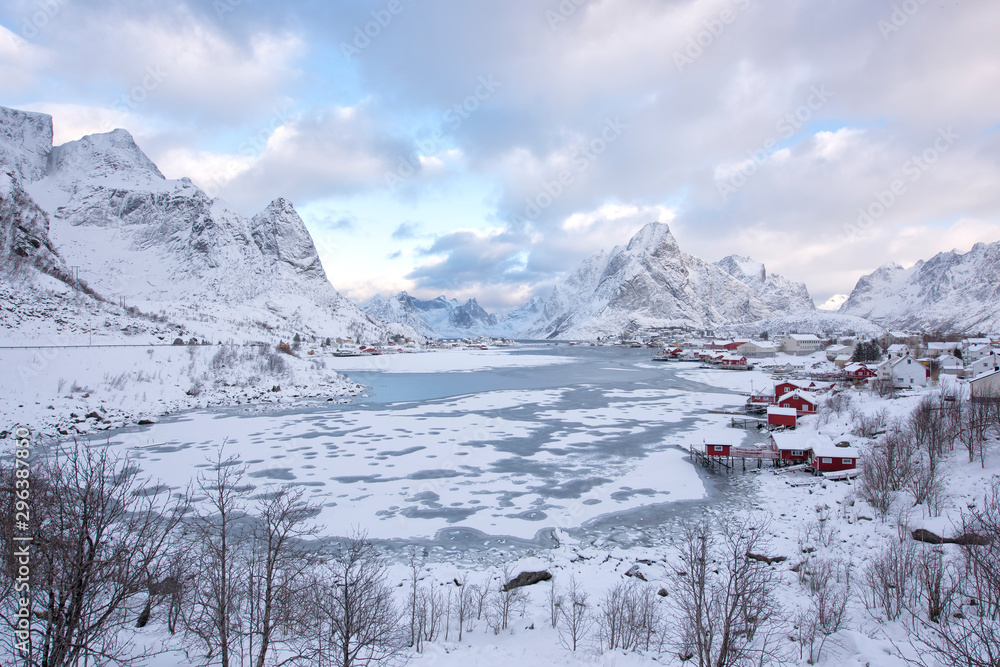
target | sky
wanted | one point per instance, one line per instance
(483, 149)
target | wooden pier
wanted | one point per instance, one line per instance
(728, 461)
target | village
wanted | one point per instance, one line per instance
(805, 371)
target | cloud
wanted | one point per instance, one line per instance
(406, 230)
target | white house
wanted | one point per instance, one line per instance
(976, 351)
(898, 350)
(904, 372)
(753, 349)
(986, 386)
(801, 343)
(837, 350)
(937, 349)
(949, 364)
(986, 364)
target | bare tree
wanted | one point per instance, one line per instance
(830, 585)
(971, 636)
(575, 616)
(463, 603)
(888, 582)
(280, 562)
(217, 534)
(555, 600)
(630, 617)
(355, 619)
(99, 540)
(505, 602)
(726, 605)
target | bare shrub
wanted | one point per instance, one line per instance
(887, 582)
(971, 635)
(555, 601)
(630, 617)
(726, 611)
(830, 586)
(100, 536)
(868, 426)
(355, 620)
(574, 616)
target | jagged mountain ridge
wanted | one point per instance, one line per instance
(777, 292)
(439, 318)
(650, 282)
(951, 291)
(102, 207)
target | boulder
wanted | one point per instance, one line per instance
(526, 579)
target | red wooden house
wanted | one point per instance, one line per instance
(717, 450)
(833, 458)
(797, 447)
(859, 371)
(803, 401)
(777, 416)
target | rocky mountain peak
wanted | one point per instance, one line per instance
(103, 156)
(25, 143)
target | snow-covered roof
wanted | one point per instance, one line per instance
(800, 440)
(785, 412)
(898, 347)
(801, 393)
(804, 338)
(829, 449)
(942, 346)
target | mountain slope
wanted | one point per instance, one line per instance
(438, 318)
(652, 283)
(164, 245)
(778, 293)
(952, 290)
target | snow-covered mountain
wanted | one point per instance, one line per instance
(651, 282)
(101, 207)
(952, 290)
(833, 303)
(438, 318)
(778, 293)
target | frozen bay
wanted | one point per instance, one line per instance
(458, 446)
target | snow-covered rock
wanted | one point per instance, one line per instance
(439, 318)
(834, 302)
(25, 142)
(651, 282)
(778, 293)
(952, 290)
(163, 245)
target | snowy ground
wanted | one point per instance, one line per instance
(496, 461)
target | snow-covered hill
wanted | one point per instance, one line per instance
(100, 207)
(438, 318)
(952, 290)
(778, 293)
(651, 282)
